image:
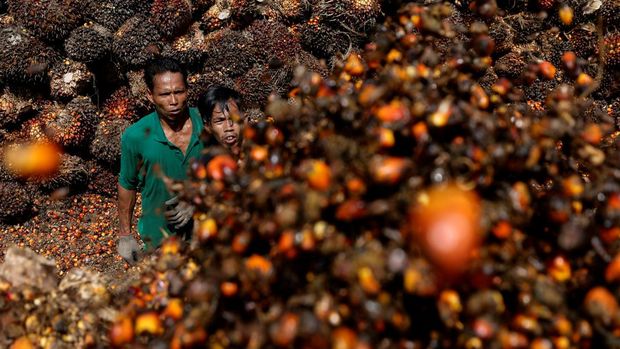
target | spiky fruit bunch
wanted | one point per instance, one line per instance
(510, 65)
(311, 63)
(272, 10)
(323, 40)
(5, 174)
(595, 112)
(101, 180)
(106, 146)
(260, 82)
(23, 58)
(6, 20)
(488, 80)
(72, 174)
(354, 15)
(89, 43)
(51, 20)
(254, 115)
(216, 17)
(525, 25)
(273, 42)
(70, 126)
(610, 11)
(610, 84)
(229, 51)
(136, 41)
(553, 46)
(69, 79)
(539, 90)
(16, 202)
(113, 13)
(199, 83)
(7, 171)
(245, 11)
(583, 42)
(290, 9)
(189, 49)
(121, 105)
(138, 89)
(13, 108)
(613, 110)
(171, 17)
(200, 6)
(503, 35)
(612, 49)
(34, 129)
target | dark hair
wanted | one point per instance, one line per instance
(216, 95)
(162, 65)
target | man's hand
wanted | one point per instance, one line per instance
(180, 212)
(128, 248)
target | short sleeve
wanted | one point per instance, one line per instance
(130, 163)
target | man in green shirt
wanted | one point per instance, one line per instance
(160, 144)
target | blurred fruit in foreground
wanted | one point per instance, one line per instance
(34, 159)
(446, 222)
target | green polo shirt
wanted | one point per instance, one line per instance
(145, 151)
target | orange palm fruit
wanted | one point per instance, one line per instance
(395, 111)
(260, 264)
(22, 343)
(446, 222)
(36, 159)
(388, 169)
(121, 332)
(174, 309)
(220, 166)
(149, 323)
(206, 229)
(229, 288)
(318, 174)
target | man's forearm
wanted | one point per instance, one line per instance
(126, 204)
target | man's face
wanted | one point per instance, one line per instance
(169, 95)
(225, 124)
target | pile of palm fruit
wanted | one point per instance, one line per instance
(452, 183)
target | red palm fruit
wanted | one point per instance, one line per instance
(446, 222)
(350, 210)
(221, 166)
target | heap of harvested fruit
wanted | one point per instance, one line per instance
(399, 203)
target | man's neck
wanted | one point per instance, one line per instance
(174, 125)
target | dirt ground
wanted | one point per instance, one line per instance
(74, 231)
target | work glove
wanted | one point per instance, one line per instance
(179, 213)
(129, 248)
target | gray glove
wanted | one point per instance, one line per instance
(129, 248)
(179, 213)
